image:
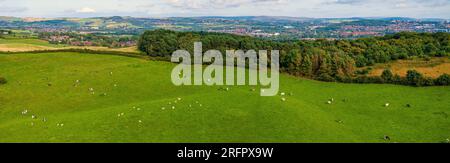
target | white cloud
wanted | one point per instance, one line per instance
(86, 10)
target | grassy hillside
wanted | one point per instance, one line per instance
(133, 100)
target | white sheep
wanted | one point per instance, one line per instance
(386, 105)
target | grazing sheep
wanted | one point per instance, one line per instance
(163, 108)
(283, 99)
(33, 117)
(283, 94)
(179, 99)
(387, 105)
(329, 102)
(140, 121)
(91, 89)
(173, 107)
(387, 138)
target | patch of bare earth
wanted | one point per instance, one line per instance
(432, 68)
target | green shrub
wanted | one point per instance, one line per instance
(325, 77)
(415, 78)
(444, 79)
(387, 76)
(368, 79)
(3, 80)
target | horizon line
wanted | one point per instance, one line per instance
(353, 17)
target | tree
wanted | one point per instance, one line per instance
(444, 79)
(415, 78)
(158, 42)
(387, 76)
(306, 65)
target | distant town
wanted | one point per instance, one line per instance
(123, 31)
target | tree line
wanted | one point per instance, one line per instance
(325, 60)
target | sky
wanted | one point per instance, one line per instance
(187, 8)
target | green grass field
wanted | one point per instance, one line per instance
(32, 44)
(134, 104)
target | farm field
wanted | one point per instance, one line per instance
(25, 45)
(431, 68)
(73, 97)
